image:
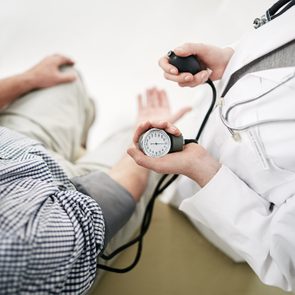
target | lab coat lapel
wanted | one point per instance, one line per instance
(261, 41)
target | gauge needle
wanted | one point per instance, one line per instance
(156, 143)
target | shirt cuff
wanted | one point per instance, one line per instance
(115, 201)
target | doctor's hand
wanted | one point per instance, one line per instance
(155, 106)
(213, 58)
(47, 72)
(194, 161)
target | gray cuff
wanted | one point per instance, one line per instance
(116, 203)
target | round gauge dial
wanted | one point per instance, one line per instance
(155, 143)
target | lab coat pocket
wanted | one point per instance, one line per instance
(276, 118)
(265, 156)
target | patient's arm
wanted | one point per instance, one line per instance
(45, 74)
(118, 192)
(131, 176)
(154, 107)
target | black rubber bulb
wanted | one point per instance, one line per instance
(188, 64)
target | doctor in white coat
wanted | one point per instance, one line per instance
(242, 172)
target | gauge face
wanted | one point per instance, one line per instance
(155, 143)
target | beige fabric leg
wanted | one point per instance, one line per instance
(59, 117)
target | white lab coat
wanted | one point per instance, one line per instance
(257, 170)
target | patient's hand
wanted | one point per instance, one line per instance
(155, 106)
(47, 72)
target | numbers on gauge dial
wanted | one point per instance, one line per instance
(156, 143)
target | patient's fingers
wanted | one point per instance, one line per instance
(63, 60)
(139, 102)
(163, 99)
(152, 98)
(180, 113)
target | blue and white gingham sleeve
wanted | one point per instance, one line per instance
(49, 244)
(50, 234)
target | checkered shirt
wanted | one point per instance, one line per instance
(50, 234)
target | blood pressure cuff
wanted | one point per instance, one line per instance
(116, 203)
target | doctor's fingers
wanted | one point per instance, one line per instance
(173, 163)
(140, 158)
(143, 127)
(166, 66)
(159, 165)
(181, 78)
(187, 49)
(198, 79)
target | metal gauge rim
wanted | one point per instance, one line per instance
(145, 138)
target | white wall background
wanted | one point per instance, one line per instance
(117, 44)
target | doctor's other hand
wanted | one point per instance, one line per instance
(155, 106)
(48, 72)
(214, 60)
(194, 161)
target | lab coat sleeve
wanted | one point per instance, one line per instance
(237, 214)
